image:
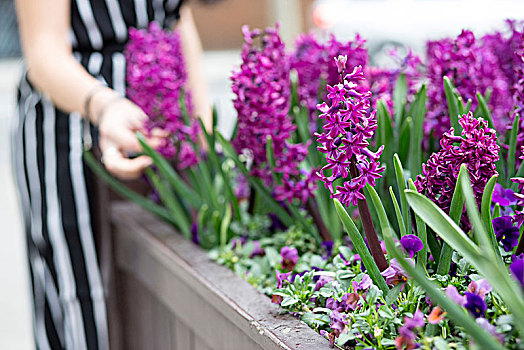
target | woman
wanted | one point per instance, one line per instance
(75, 77)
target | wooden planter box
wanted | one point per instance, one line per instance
(172, 296)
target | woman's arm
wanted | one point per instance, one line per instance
(44, 31)
(192, 48)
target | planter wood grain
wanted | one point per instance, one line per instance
(171, 296)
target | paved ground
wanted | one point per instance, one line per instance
(15, 313)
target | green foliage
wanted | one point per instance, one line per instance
(482, 255)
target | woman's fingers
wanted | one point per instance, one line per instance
(124, 168)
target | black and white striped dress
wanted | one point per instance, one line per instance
(55, 185)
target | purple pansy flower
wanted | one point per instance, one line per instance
(338, 321)
(395, 274)
(364, 283)
(328, 246)
(289, 257)
(322, 281)
(480, 287)
(503, 196)
(411, 244)
(475, 304)
(257, 250)
(416, 321)
(349, 301)
(453, 294)
(406, 337)
(331, 303)
(517, 269)
(281, 277)
(481, 321)
(506, 233)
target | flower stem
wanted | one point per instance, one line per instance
(367, 224)
(252, 198)
(317, 219)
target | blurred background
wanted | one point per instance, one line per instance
(385, 24)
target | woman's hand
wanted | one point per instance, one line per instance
(119, 120)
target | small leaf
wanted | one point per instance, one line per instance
(385, 312)
(288, 301)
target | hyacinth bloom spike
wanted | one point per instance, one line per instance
(472, 67)
(347, 132)
(477, 148)
(263, 96)
(156, 78)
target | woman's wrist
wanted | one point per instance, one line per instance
(99, 103)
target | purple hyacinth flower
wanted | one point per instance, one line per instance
(412, 244)
(517, 269)
(475, 304)
(289, 257)
(476, 147)
(503, 196)
(506, 233)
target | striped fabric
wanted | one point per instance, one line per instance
(54, 184)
